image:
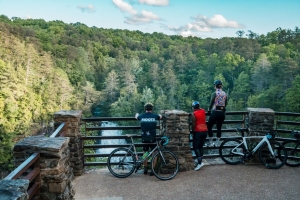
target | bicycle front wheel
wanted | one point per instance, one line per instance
(232, 151)
(293, 153)
(121, 162)
(272, 161)
(165, 165)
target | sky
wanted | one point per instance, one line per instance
(200, 18)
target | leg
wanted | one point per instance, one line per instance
(210, 124)
(145, 149)
(219, 122)
(196, 144)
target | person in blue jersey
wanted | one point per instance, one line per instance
(217, 107)
(148, 122)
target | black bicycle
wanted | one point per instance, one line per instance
(293, 150)
(122, 162)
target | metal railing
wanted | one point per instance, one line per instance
(33, 164)
(94, 125)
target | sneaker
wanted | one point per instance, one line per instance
(216, 144)
(199, 166)
(151, 173)
(145, 169)
(210, 144)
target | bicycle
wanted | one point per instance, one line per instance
(293, 150)
(272, 154)
(122, 162)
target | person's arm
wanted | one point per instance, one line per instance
(193, 122)
(212, 101)
(136, 115)
(160, 116)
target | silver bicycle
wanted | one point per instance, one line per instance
(122, 162)
(272, 154)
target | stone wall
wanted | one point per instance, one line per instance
(56, 173)
(176, 127)
(14, 189)
(72, 118)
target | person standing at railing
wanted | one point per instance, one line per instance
(148, 122)
(199, 131)
(217, 107)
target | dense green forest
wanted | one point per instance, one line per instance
(50, 66)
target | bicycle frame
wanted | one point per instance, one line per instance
(264, 139)
(132, 146)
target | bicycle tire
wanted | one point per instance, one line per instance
(293, 153)
(226, 154)
(121, 162)
(165, 165)
(269, 161)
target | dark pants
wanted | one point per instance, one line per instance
(216, 117)
(198, 142)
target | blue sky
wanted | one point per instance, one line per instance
(201, 18)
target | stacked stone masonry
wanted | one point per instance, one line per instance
(56, 173)
(72, 118)
(176, 126)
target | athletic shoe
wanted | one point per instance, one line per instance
(199, 166)
(210, 144)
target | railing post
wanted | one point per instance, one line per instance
(260, 122)
(72, 119)
(176, 126)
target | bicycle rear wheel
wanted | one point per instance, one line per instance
(121, 162)
(229, 150)
(165, 165)
(270, 161)
(293, 153)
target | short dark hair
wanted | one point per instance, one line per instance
(148, 106)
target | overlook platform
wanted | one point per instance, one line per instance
(214, 181)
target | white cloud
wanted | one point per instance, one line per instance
(204, 24)
(143, 18)
(124, 6)
(90, 8)
(217, 21)
(155, 2)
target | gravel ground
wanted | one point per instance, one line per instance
(214, 181)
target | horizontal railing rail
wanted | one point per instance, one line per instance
(59, 131)
(90, 126)
(33, 177)
(241, 123)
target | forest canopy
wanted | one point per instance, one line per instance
(50, 66)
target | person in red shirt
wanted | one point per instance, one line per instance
(199, 131)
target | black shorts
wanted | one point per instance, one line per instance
(147, 147)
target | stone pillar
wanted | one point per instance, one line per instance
(260, 122)
(72, 118)
(14, 189)
(56, 173)
(176, 127)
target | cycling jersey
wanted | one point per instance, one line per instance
(148, 122)
(200, 120)
(218, 100)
